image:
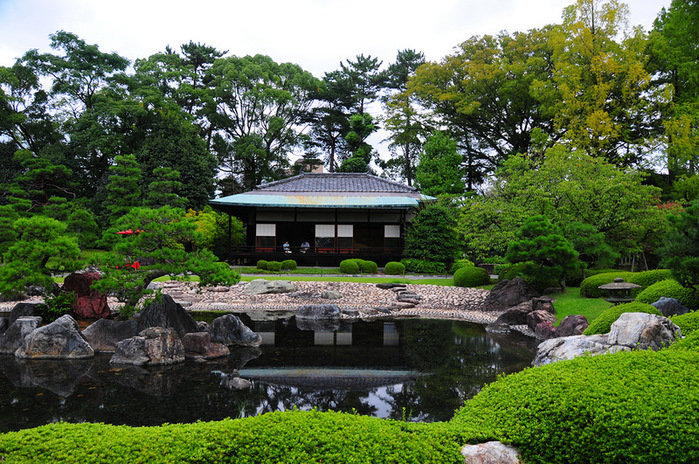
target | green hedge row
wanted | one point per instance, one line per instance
(670, 289)
(629, 407)
(356, 266)
(419, 266)
(394, 268)
(289, 437)
(276, 266)
(688, 323)
(589, 286)
(471, 276)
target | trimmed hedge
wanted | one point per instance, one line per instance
(471, 276)
(277, 437)
(688, 323)
(669, 288)
(690, 342)
(367, 266)
(262, 264)
(588, 287)
(419, 266)
(603, 323)
(394, 268)
(349, 266)
(458, 264)
(629, 407)
(647, 278)
(274, 266)
(289, 264)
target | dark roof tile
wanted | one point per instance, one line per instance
(335, 182)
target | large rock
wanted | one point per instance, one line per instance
(152, 346)
(104, 334)
(24, 309)
(670, 307)
(61, 339)
(199, 345)
(230, 330)
(262, 287)
(643, 331)
(507, 294)
(323, 311)
(534, 318)
(90, 304)
(517, 315)
(543, 303)
(544, 330)
(492, 452)
(14, 336)
(4, 324)
(167, 313)
(559, 349)
(572, 325)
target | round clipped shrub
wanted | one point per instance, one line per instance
(367, 266)
(647, 278)
(669, 288)
(262, 264)
(688, 323)
(394, 268)
(458, 264)
(289, 264)
(471, 276)
(588, 287)
(274, 266)
(349, 266)
(603, 323)
(604, 409)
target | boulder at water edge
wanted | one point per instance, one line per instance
(492, 452)
(199, 345)
(230, 330)
(263, 287)
(507, 294)
(89, 304)
(24, 309)
(536, 317)
(4, 324)
(152, 346)
(13, 337)
(104, 334)
(167, 313)
(61, 339)
(318, 318)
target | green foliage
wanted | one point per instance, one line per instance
(262, 264)
(471, 276)
(647, 278)
(689, 342)
(689, 323)
(289, 264)
(159, 247)
(419, 266)
(274, 266)
(680, 250)
(458, 264)
(432, 235)
(212, 230)
(614, 408)
(589, 287)
(394, 268)
(349, 266)
(439, 167)
(123, 188)
(278, 437)
(367, 266)
(42, 248)
(544, 253)
(603, 323)
(669, 289)
(56, 306)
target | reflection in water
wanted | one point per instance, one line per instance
(420, 369)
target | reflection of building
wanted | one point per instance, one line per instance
(338, 214)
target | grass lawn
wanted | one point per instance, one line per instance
(571, 302)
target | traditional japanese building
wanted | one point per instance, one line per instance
(339, 215)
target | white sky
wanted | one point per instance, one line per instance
(315, 34)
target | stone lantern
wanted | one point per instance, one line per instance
(619, 291)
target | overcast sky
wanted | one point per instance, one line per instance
(315, 34)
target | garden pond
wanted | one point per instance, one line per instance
(407, 369)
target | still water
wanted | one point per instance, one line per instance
(413, 369)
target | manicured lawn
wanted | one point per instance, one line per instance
(571, 302)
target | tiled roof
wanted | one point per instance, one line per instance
(335, 182)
